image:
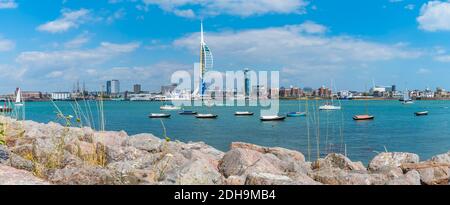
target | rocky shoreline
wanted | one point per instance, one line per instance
(36, 153)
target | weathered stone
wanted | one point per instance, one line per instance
(197, 172)
(12, 176)
(234, 180)
(81, 148)
(4, 154)
(167, 162)
(338, 161)
(115, 153)
(86, 175)
(18, 162)
(410, 178)
(240, 161)
(281, 153)
(268, 179)
(109, 138)
(386, 160)
(336, 176)
(441, 158)
(431, 172)
(147, 142)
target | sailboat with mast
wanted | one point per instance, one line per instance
(18, 102)
(365, 116)
(330, 105)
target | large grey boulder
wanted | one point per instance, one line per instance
(387, 160)
(431, 172)
(12, 176)
(4, 154)
(268, 179)
(198, 172)
(18, 162)
(410, 178)
(86, 175)
(240, 161)
(441, 158)
(147, 142)
(338, 161)
(335, 176)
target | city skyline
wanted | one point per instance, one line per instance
(309, 42)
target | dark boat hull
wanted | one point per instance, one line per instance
(246, 114)
(207, 117)
(187, 113)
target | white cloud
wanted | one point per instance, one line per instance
(6, 45)
(119, 14)
(8, 4)
(442, 58)
(395, 1)
(242, 8)
(78, 41)
(188, 13)
(434, 16)
(68, 20)
(297, 53)
(55, 74)
(68, 58)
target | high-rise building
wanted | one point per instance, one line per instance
(115, 87)
(137, 88)
(246, 83)
(206, 60)
(108, 87)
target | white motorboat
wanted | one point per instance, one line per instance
(170, 107)
(206, 116)
(241, 113)
(329, 107)
(159, 115)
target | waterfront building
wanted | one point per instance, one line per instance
(115, 87)
(246, 83)
(137, 88)
(31, 95)
(108, 87)
(61, 96)
(168, 89)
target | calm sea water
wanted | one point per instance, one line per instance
(395, 127)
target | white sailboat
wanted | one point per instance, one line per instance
(330, 106)
(18, 102)
(406, 98)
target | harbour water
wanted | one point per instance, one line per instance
(395, 127)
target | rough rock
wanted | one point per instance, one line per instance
(268, 179)
(12, 176)
(441, 158)
(86, 175)
(281, 153)
(197, 172)
(338, 161)
(431, 172)
(240, 161)
(410, 178)
(109, 138)
(147, 142)
(234, 180)
(334, 176)
(4, 154)
(116, 154)
(18, 162)
(388, 160)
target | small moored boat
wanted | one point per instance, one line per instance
(169, 107)
(296, 114)
(206, 116)
(243, 113)
(272, 118)
(329, 107)
(421, 113)
(187, 112)
(159, 115)
(363, 117)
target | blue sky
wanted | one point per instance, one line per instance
(50, 44)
